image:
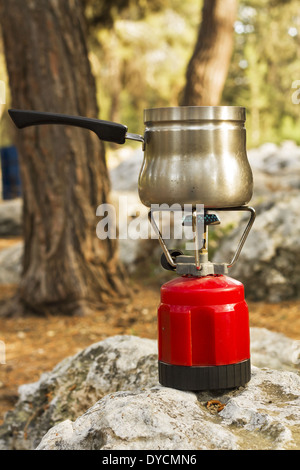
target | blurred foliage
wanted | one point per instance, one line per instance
(139, 51)
(264, 67)
(139, 60)
(105, 13)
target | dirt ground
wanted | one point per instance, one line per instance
(35, 345)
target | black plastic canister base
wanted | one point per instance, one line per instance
(197, 378)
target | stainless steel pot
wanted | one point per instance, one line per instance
(196, 155)
(192, 155)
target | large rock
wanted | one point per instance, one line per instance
(11, 264)
(264, 415)
(108, 397)
(274, 350)
(275, 168)
(124, 173)
(11, 218)
(75, 384)
(269, 264)
(124, 169)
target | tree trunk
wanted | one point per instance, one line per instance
(208, 67)
(67, 269)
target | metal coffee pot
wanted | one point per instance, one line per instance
(192, 154)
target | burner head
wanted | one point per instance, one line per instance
(202, 219)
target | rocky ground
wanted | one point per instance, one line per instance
(107, 397)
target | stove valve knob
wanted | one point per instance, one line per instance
(164, 262)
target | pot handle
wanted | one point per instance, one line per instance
(105, 130)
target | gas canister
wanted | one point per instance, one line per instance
(203, 333)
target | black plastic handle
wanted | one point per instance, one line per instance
(105, 130)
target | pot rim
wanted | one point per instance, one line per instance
(195, 113)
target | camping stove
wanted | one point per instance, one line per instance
(203, 319)
(193, 155)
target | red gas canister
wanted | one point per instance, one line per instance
(203, 333)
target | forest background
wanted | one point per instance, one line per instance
(139, 53)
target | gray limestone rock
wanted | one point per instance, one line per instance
(75, 384)
(274, 350)
(108, 397)
(11, 264)
(269, 264)
(263, 415)
(11, 218)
